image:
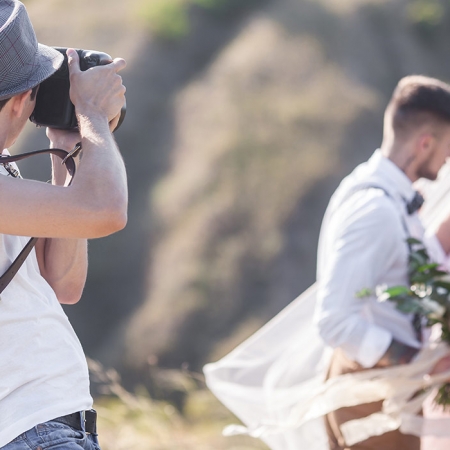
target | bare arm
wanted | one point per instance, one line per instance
(63, 262)
(95, 204)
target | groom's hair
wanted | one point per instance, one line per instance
(418, 100)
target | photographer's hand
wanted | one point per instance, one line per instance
(114, 122)
(97, 92)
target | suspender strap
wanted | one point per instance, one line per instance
(361, 187)
(69, 162)
(416, 319)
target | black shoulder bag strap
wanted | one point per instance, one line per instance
(69, 162)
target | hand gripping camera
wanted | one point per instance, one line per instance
(53, 106)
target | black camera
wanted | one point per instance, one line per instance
(53, 106)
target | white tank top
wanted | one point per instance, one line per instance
(43, 369)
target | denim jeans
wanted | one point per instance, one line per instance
(54, 435)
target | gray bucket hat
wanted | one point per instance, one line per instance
(23, 62)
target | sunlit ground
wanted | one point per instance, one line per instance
(135, 421)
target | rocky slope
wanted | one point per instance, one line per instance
(236, 135)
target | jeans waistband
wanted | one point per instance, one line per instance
(82, 420)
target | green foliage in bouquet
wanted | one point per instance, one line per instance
(427, 296)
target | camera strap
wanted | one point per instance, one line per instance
(69, 162)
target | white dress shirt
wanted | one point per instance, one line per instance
(363, 245)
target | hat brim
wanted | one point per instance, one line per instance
(47, 62)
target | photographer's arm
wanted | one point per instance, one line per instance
(95, 205)
(98, 95)
(63, 262)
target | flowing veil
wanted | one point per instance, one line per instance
(272, 381)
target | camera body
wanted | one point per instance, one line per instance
(53, 107)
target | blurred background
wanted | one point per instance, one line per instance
(243, 116)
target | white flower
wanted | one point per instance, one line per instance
(435, 310)
(382, 296)
(421, 290)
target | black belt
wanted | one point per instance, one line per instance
(83, 420)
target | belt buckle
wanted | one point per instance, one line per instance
(89, 420)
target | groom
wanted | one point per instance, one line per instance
(363, 245)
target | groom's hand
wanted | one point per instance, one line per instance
(443, 365)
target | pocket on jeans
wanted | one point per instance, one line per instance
(53, 433)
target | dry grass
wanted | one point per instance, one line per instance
(129, 421)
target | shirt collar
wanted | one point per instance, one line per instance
(394, 177)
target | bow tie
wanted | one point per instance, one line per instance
(415, 203)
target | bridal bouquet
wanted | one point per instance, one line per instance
(427, 297)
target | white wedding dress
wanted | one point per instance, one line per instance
(275, 380)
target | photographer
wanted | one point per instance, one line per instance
(44, 383)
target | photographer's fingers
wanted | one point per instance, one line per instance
(116, 93)
(98, 91)
(114, 122)
(118, 64)
(73, 60)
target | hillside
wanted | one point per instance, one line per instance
(242, 118)
(261, 136)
